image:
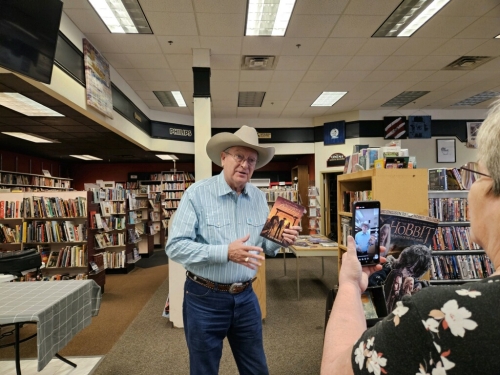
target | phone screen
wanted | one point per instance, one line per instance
(366, 226)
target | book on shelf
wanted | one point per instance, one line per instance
(284, 214)
(408, 238)
(438, 179)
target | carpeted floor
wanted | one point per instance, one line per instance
(293, 330)
(124, 297)
(158, 258)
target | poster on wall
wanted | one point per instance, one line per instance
(419, 126)
(472, 129)
(334, 133)
(98, 80)
(395, 127)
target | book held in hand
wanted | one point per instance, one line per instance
(284, 214)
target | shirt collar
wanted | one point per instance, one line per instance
(224, 188)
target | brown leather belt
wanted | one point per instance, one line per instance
(233, 288)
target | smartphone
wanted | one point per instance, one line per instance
(365, 229)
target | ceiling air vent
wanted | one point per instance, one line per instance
(251, 98)
(258, 62)
(468, 62)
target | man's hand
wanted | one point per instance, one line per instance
(291, 234)
(248, 256)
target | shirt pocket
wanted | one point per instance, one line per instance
(219, 228)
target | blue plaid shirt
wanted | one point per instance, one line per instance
(211, 216)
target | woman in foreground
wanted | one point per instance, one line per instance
(440, 330)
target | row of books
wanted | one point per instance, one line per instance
(47, 207)
(453, 238)
(53, 231)
(154, 216)
(174, 186)
(115, 259)
(180, 176)
(19, 179)
(446, 179)
(112, 208)
(349, 197)
(108, 194)
(171, 204)
(10, 235)
(10, 209)
(173, 194)
(69, 256)
(147, 189)
(449, 209)
(461, 267)
(106, 223)
(273, 194)
(106, 239)
(364, 158)
(346, 227)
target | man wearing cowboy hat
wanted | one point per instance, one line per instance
(216, 237)
(362, 238)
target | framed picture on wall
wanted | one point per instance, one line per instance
(445, 150)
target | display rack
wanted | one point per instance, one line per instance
(455, 258)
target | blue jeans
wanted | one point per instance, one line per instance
(210, 316)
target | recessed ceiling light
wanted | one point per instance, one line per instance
(120, 17)
(30, 137)
(478, 98)
(328, 98)
(85, 157)
(270, 18)
(408, 17)
(404, 98)
(170, 98)
(168, 157)
(25, 105)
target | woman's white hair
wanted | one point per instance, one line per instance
(488, 143)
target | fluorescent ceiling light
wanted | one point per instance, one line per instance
(170, 98)
(408, 17)
(168, 157)
(268, 17)
(26, 106)
(404, 98)
(122, 17)
(85, 157)
(30, 137)
(478, 98)
(328, 98)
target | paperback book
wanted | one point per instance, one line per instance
(408, 239)
(284, 214)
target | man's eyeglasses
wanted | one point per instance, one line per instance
(240, 159)
(473, 171)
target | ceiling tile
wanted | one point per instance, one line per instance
(147, 61)
(461, 47)
(171, 6)
(413, 75)
(364, 62)
(288, 75)
(220, 6)
(87, 20)
(369, 7)
(247, 112)
(382, 75)
(351, 76)
(224, 90)
(484, 27)
(489, 48)
(310, 26)
(441, 26)
(257, 45)
(138, 85)
(278, 95)
(342, 46)
(352, 26)
(156, 74)
(253, 86)
(129, 74)
(466, 7)
(224, 75)
(426, 86)
(222, 45)
(118, 60)
(137, 43)
(178, 61)
(273, 105)
(398, 86)
(478, 76)
(291, 111)
(294, 62)
(302, 46)
(432, 62)
(286, 87)
(330, 62)
(320, 7)
(320, 75)
(228, 112)
(316, 87)
(231, 62)
(399, 63)
(179, 44)
(368, 86)
(341, 85)
(419, 46)
(104, 42)
(38, 129)
(445, 75)
(361, 93)
(218, 24)
(256, 76)
(381, 46)
(78, 4)
(166, 23)
(183, 75)
(314, 111)
(163, 85)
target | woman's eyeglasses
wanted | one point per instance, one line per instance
(473, 171)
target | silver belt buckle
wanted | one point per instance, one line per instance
(235, 288)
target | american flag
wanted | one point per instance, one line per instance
(395, 128)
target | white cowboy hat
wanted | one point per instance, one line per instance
(245, 136)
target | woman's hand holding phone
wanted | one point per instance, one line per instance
(351, 271)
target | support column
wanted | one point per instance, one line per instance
(202, 166)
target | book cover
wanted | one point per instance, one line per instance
(368, 306)
(284, 214)
(408, 239)
(438, 179)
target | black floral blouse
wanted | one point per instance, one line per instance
(444, 330)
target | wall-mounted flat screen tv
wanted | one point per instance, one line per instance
(28, 36)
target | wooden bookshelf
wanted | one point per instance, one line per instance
(32, 182)
(396, 189)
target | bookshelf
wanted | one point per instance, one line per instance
(55, 223)
(455, 258)
(138, 220)
(152, 188)
(32, 182)
(300, 177)
(396, 189)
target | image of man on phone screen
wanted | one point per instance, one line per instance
(362, 238)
